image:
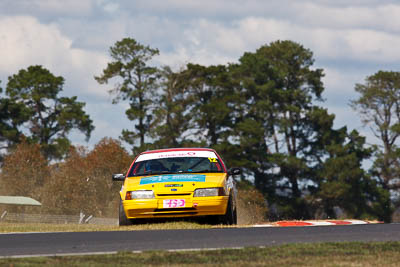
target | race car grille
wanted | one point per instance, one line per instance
(174, 209)
(164, 212)
(181, 194)
(174, 212)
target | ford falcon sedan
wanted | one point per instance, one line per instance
(180, 182)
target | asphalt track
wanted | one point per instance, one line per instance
(47, 244)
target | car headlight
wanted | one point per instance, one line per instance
(209, 192)
(139, 194)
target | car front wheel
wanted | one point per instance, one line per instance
(123, 220)
(230, 216)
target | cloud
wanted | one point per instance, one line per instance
(46, 8)
(251, 33)
(380, 16)
(372, 45)
(108, 6)
(25, 42)
(230, 28)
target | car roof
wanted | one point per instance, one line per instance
(178, 149)
(182, 149)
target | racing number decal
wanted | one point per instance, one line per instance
(212, 159)
(173, 203)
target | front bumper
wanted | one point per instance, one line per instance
(153, 208)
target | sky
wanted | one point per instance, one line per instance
(350, 39)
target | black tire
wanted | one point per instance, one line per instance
(235, 217)
(230, 216)
(123, 220)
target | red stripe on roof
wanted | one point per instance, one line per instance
(178, 149)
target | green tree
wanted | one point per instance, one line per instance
(343, 183)
(173, 114)
(296, 85)
(51, 117)
(279, 114)
(130, 64)
(212, 90)
(12, 116)
(379, 107)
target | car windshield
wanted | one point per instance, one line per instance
(175, 165)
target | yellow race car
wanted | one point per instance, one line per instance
(179, 182)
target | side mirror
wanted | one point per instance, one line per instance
(118, 177)
(234, 171)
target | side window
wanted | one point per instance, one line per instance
(136, 168)
(216, 166)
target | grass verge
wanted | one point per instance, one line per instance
(316, 254)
